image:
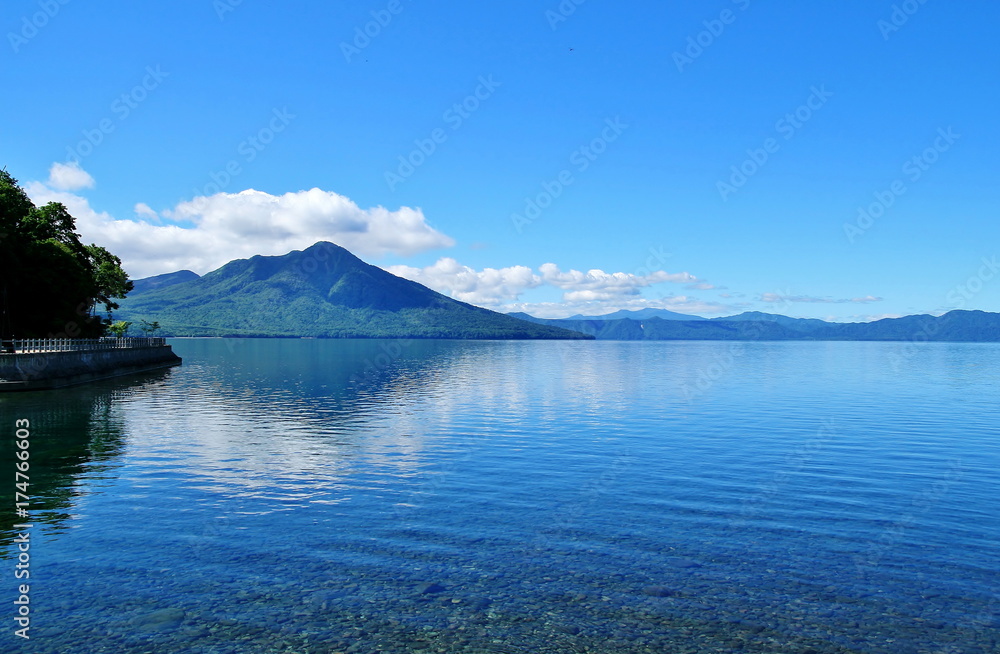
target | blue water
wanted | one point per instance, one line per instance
(446, 496)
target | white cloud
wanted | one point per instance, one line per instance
(231, 226)
(487, 287)
(499, 288)
(143, 210)
(69, 177)
(309, 216)
(598, 285)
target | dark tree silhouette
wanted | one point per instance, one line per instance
(51, 284)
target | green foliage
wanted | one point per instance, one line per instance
(51, 284)
(110, 279)
(149, 328)
(119, 328)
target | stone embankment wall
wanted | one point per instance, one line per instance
(43, 370)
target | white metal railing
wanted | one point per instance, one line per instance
(32, 345)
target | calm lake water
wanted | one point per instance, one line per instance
(447, 496)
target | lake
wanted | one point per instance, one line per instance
(456, 496)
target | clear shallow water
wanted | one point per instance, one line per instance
(443, 496)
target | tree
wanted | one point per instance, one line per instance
(148, 328)
(111, 281)
(119, 328)
(51, 284)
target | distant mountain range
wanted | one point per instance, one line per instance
(640, 314)
(799, 324)
(325, 291)
(956, 326)
(322, 291)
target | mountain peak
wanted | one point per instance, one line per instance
(161, 281)
(323, 290)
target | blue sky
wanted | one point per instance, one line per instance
(186, 134)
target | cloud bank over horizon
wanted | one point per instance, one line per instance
(592, 292)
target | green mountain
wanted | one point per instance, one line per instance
(322, 291)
